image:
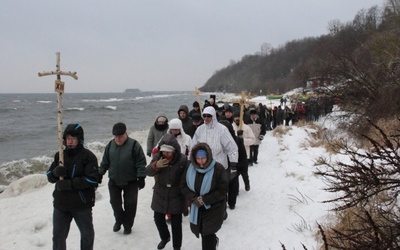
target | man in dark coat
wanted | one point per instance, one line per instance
(125, 162)
(168, 167)
(183, 113)
(74, 192)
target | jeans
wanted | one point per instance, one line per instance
(125, 214)
(176, 225)
(61, 225)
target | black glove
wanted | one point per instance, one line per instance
(148, 154)
(233, 170)
(261, 137)
(59, 171)
(240, 133)
(198, 201)
(63, 185)
(141, 183)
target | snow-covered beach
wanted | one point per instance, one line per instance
(282, 207)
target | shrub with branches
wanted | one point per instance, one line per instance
(367, 190)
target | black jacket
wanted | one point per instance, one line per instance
(82, 173)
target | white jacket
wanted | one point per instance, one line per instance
(183, 139)
(219, 139)
(248, 136)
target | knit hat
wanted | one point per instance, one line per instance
(196, 117)
(167, 148)
(161, 119)
(253, 111)
(236, 114)
(196, 104)
(175, 124)
(201, 153)
(119, 128)
(229, 109)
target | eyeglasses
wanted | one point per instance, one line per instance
(208, 116)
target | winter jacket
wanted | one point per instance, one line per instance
(124, 163)
(155, 133)
(258, 127)
(82, 173)
(187, 122)
(218, 138)
(209, 220)
(167, 197)
(183, 139)
(248, 136)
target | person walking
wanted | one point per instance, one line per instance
(259, 129)
(125, 161)
(205, 185)
(218, 138)
(74, 193)
(167, 167)
(158, 130)
(183, 114)
(184, 140)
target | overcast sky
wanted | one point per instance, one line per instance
(148, 44)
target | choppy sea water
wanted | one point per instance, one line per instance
(28, 135)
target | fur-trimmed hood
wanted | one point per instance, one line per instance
(196, 148)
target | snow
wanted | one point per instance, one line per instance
(283, 206)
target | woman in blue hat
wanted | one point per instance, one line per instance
(206, 186)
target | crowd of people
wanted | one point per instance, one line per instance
(196, 160)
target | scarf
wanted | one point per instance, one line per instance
(205, 186)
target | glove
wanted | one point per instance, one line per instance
(141, 183)
(59, 171)
(233, 170)
(240, 133)
(162, 163)
(148, 154)
(198, 201)
(261, 137)
(63, 185)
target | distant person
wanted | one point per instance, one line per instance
(195, 109)
(168, 167)
(158, 130)
(205, 185)
(196, 121)
(125, 161)
(248, 135)
(184, 140)
(183, 115)
(74, 195)
(259, 129)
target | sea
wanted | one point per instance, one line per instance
(29, 137)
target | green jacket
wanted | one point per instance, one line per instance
(124, 163)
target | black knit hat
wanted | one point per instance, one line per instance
(119, 128)
(196, 104)
(236, 114)
(253, 111)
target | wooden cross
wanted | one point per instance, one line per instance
(59, 88)
(197, 94)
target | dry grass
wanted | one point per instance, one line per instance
(390, 127)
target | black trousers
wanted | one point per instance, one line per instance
(233, 191)
(61, 225)
(209, 242)
(254, 153)
(176, 226)
(128, 196)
